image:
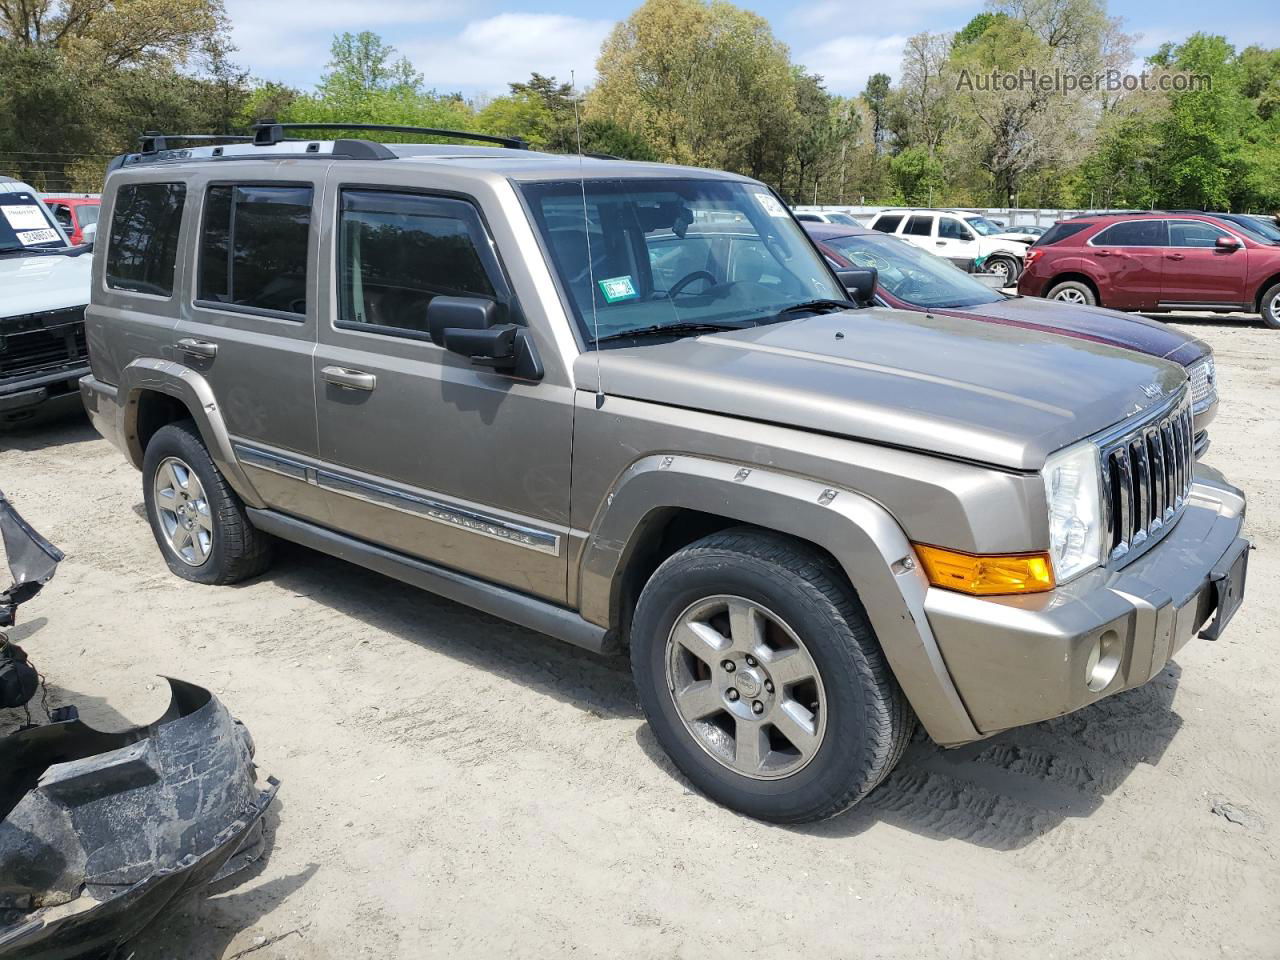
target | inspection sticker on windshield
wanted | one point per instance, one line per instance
(769, 203)
(30, 238)
(25, 216)
(618, 288)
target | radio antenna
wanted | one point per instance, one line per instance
(586, 229)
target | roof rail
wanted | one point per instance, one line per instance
(153, 141)
(268, 132)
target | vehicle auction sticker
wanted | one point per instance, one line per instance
(25, 216)
(618, 288)
(769, 203)
(29, 238)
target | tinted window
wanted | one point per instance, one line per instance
(253, 247)
(949, 228)
(1060, 231)
(808, 218)
(1193, 233)
(397, 251)
(144, 237)
(87, 213)
(62, 214)
(1133, 233)
(919, 226)
(887, 224)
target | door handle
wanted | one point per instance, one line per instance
(349, 379)
(1175, 256)
(198, 348)
(939, 243)
(1102, 253)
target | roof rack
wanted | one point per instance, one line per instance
(153, 141)
(268, 132)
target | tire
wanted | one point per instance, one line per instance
(1072, 291)
(1270, 305)
(1010, 267)
(221, 545)
(862, 720)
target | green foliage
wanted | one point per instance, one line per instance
(917, 178)
(976, 27)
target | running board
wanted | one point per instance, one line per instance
(499, 601)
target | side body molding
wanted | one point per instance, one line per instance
(862, 536)
(187, 386)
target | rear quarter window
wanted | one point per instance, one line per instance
(887, 224)
(143, 247)
(1061, 231)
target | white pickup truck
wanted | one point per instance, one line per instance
(44, 287)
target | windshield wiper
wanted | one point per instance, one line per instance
(671, 329)
(823, 305)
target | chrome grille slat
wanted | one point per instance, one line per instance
(1146, 477)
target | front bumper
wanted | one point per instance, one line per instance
(1020, 660)
(19, 394)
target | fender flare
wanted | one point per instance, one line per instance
(193, 392)
(861, 535)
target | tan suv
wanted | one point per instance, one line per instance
(631, 406)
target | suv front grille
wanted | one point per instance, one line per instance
(1146, 477)
(1204, 386)
(41, 342)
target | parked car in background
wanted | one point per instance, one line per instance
(815, 216)
(969, 240)
(911, 279)
(74, 213)
(1155, 262)
(44, 287)
(1024, 232)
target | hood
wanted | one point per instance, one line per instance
(33, 284)
(996, 394)
(1017, 235)
(1095, 323)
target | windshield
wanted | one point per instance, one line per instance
(646, 253)
(25, 224)
(984, 226)
(912, 274)
(87, 213)
(1258, 227)
(844, 218)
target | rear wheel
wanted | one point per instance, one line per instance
(761, 677)
(198, 520)
(1072, 291)
(1271, 307)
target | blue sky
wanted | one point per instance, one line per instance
(477, 46)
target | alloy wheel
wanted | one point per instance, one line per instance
(746, 687)
(1069, 296)
(183, 511)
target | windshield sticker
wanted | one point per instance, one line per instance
(618, 288)
(30, 238)
(28, 216)
(770, 205)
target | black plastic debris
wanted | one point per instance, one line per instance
(100, 832)
(32, 562)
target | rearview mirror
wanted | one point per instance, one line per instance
(859, 284)
(1227, 243)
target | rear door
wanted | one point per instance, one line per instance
(1197, 270)
(421, 450)
(917, 230)
(1129, 259)
(249, 327)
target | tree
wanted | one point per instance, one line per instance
(876, 96)
(917, 177)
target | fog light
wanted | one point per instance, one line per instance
(1104, 660)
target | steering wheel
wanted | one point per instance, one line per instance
(679, 285)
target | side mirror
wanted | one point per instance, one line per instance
(89, 233)
(859, 284)
(1227, 243)
(468, 326)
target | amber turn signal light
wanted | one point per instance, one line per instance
(986, 576)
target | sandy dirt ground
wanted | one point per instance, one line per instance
(454, 786)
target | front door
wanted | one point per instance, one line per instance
(250, 328)
(956, 242)
(420, 450)
(1197, 270)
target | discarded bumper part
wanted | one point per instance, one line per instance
(99, 832)
(32, 562)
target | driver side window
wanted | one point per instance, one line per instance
(950, 228)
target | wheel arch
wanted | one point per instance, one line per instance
(1263, 287)
(155, 392)
(662, 503)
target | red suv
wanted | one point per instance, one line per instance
(74, 213)
(1159, 261)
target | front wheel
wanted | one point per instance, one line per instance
(762, 679)
(1271, 307)
(1005, 267)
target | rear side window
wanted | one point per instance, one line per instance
(1134, 233)
(919, 226)
(143, 247)
(398, 251)
(887, 224)
(253, 247)
(1061, 231)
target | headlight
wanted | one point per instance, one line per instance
(1071, 487)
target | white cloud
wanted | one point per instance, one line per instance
(488, 53)
(903, 15)
(846, 62)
